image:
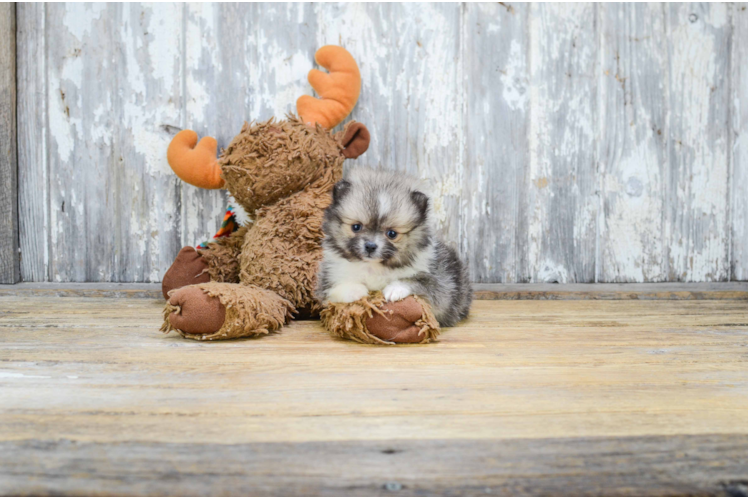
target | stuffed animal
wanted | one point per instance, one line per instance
(280, 174)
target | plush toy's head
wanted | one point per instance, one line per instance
(274, 159)
(271, 160)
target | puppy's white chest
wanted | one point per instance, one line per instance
(373, 275)
(376, 276)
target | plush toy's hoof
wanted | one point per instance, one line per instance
(194, 312)
(398, 323)
(222, 311)
(188, 269)
(372, 320)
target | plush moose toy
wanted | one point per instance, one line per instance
(281, 173)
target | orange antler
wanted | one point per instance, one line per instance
(338, 89)
(195, 165)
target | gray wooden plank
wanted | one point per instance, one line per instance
(114, 80)
(697, 188)
(82, 115)
(33, 183)
(496, 79)
(147, 66)
(9, 258)
(633, 143)
(680, 465)
(739, 142)
(558, 203)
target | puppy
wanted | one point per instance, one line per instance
(378, 236)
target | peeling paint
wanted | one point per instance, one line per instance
(513, 77)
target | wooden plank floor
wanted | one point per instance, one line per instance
(526, 397)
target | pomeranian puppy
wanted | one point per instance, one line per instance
(378, 236)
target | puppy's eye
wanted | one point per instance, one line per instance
(356, 227)
(392, 234)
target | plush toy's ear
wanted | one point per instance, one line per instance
(355, 140)
(339, 191)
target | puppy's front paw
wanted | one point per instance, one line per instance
(397, 290)
(347, 293)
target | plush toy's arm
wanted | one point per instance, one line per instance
(373, 320)
(214, 261)
(222, 256)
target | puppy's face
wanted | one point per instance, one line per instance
(385, 224)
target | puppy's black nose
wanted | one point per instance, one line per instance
(370, 247)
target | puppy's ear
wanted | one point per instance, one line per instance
(355, 140)
(340, 190)
(421, 201)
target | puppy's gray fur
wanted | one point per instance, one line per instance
(411, 263)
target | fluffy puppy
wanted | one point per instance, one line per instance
(378, 237)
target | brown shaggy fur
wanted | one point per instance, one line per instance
(272, 160)
(222, 256)
(282, 174)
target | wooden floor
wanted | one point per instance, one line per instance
(534, 397)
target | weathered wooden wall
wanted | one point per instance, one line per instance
(566, 142)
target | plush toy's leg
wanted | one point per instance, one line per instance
(372, 320)
(219, 311)
(189, 268)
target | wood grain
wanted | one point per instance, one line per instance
(33, 174)
(617, 397)
(709, 465)
(9, 257)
